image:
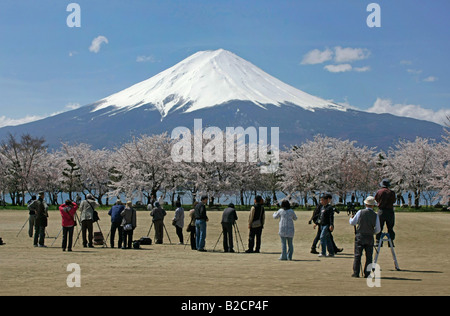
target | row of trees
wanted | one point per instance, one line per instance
(143, 167)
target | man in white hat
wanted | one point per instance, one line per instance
(367, 225)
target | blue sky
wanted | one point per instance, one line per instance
(323, 47)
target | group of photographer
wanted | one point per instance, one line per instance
(123, 220)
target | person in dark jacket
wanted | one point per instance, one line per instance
(40, 208)
(200, 223)
(116, 221)
(326, 221)
(32, 217)
(256, 222)
(229, 217)
(316, 220)
(367, 224)
(158, 214)
(386, 199)
(128, 225)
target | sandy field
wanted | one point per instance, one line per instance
(176, 270)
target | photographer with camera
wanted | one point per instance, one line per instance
(386, 199)
(367, 224)
(68, 211)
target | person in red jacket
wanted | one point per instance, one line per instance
(68, 211)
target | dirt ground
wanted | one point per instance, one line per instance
(176, 270)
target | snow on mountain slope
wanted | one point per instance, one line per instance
(210, 78)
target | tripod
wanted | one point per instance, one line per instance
(167, 233)
(79, 232)
(236, 233)
(385, 237)
(46, 232)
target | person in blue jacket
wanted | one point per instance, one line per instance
(116, 220)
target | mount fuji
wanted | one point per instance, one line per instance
(223, 90)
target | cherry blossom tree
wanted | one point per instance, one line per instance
(409, 165)
(142, 166)
(94, 168)
(440, 176)
(21, 157)
(328, 164)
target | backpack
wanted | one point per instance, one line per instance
(145, 241)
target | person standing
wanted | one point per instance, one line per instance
(286, 229)
(229, 217)
(32, 216)
(178, 222)
(386, 199)
(326, 221)
(40, 208)
(200, 224)
(158, 214)
(67, 212)
(315, 219)
(128, 225)
(256, 221)
(116, 223)
(367, 224)
(87, 209)
(191, 227)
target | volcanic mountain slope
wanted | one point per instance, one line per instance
(223, 90)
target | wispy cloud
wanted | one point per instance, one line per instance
(342, 57)
(338, 68)
(97, 43)
(5, 121)
(317, 57)
(146, 59)
(349, 54)
(414, 71)
(431, 79)
(73, 106)
(409, 110)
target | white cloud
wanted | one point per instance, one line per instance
(73, 106)
(317, 57)
(348, 54)
(96, 43)
(409, 110)
(5, 121)
(338, 68)
(362, 69)
(431, 79)
(414, 71)
(144, 59)
(341, 56)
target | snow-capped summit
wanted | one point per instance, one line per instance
(224, 91)
(210, 78)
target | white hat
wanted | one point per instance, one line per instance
(370, 200)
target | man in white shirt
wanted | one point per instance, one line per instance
(367, 225)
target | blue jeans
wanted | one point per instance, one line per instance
(325, 241)
(200, 233)
(286, 254)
